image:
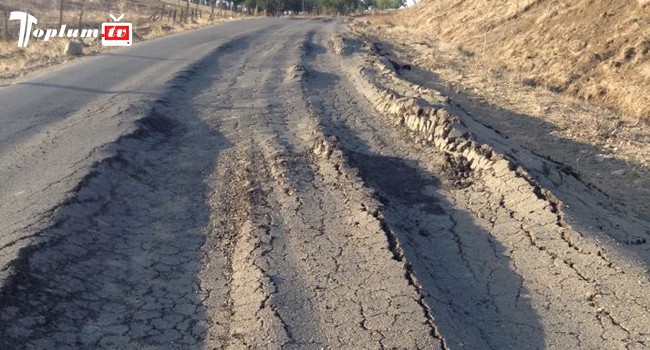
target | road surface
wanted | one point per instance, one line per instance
(236, 187)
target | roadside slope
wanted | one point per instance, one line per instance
(595, 50)
(489, 68)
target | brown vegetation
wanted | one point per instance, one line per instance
(594, 50)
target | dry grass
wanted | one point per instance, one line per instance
(382, 19)
(16, 62)
(598, 51)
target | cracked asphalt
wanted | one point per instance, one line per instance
(274, 184)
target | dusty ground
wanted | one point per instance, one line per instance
(289, 189)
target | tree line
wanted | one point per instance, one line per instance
(330, 7)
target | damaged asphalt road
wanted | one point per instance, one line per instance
(274, 184)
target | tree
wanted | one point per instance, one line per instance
(339, 7)
(235, 4)
(295, 6)
(270, 7)
(389, 4)
(368, 4)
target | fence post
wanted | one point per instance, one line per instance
(81, 13)
(60, 13)
(5, 33)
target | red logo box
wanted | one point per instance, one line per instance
(117, 34)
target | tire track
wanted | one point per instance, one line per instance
(253, 318)
(334, 283)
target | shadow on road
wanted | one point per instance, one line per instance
(140, 57)
(119, 267)
(476, 299)
(628, 225)
(83, 89)
(595, 169)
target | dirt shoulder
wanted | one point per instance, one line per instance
(603, 147)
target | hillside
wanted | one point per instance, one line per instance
(595, 50)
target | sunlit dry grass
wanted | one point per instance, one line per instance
(595, 51)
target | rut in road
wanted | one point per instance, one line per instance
(311, 267)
